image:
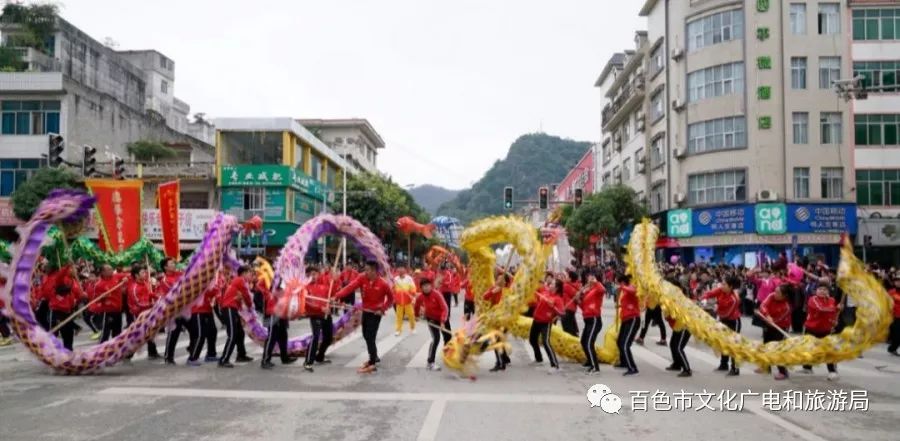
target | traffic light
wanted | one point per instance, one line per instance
(508, 198)
(544, 198)
(867, 241)
(579, 194)
(88, 163)
(55, 149)
(119, 168)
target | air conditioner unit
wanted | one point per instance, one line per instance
(766, 196)
(677, 105)
(679, 152)
(679, 198)
(677, 53)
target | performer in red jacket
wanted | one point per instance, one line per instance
(203, 323)
(110, 286)
(571, 288)
(64, 293)
(629, 323)
(236, 296)
(728, 309)
(777, 308)
(821, 318)
(493, 296)
(141, 296)
(278, 331)
(169, 280)
(434, 308)
(469, 299)
(376, 299)
(549, 306)
(591, 302)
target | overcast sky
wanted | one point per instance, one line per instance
(448, 84)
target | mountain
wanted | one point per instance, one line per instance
(533, 160)
(431, 197)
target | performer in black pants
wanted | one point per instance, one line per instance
(172, 338)
(236, 296)
(376, 299)
(591, 302)
(654, 316)
(630, 322)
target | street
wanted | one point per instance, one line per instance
(403, 401)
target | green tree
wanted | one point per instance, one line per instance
(608, 213)
(29, 194)
(150, 151)
(378, 202)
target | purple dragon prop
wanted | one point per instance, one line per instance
(70, 207)
(291, 265)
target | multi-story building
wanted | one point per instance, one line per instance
(92, 95)
(748, 141)
(875, 52)
(353, 139)
(581, 176)
(276, 169)
(603, 150)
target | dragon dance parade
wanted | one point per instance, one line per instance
(519, 294)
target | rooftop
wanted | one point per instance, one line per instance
(617, 60)
(279, 124)
(361, 123)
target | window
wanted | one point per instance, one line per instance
(657, 60)
(164, 86)
(14, 172)
(605, 180)
(657, 152)
(715, 187)
(832, 126)
(617, 175)
(657, 106)
(801, 127)
(254, 202)
(657, 198)
(878, 76)
(624, 133)
(721, 80)
(829, 18)
(829, 71)
(798, 18)
(606, 154)
(715, 29)
(639, 160)
(30, 117)
(163, 62)
(717, 134)
(877, 130)
(626, 169)
(876, 24)
(801, 182)
(832, 182)
(878, 187)
(798, 73)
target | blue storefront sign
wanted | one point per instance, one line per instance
(801, 218)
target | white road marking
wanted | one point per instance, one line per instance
(649, 356)
(345, 396)
(429, 429)
(420, 360)
(384, 346)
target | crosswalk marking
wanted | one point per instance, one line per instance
(384, 346)
(420, 360)
(650, 357)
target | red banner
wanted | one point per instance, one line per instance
(168, 217)
(118, 212)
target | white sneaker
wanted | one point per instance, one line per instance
(413, 332)
(833, 376)
(432, 367)
(397, 334)
(553, 370)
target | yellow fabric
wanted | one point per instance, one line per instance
(405, 311)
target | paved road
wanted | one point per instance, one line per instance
(403, 401)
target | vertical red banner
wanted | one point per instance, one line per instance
(118, 212)
(168, 217)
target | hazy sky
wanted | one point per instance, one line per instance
(448, 84)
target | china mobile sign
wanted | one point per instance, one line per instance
(191, 224)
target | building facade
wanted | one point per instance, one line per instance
(748, 143)
(876, 116)
(276, 169)
(353, 139)
(581, 176)
(94, 96)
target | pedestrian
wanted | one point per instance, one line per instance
(894, 338)
(278, 332)
(328, 323)
(629, 323)
(140, 298)
(110, 286)
(317, 308)
(404, 290)
(376, 299)
(204, 324)
(236, 296)
(653, 315)
(729, 313)
(591, 302)
(821, 318)
(493, 296)
(776, 308)
(549, 306)
(468, 298)
(433, 308)
(63, 297)
(571, 288)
